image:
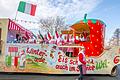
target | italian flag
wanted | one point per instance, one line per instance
(27, 8)
(49, 36)
(56, 34)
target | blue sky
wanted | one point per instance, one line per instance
(73, 10)
(109, 12)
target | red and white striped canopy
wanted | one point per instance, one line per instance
(14, 26)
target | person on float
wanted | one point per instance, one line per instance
(85, 35)
(81, 37)
(24, 39)
(18, 38)
(81, 63)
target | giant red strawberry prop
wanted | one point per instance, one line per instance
(97, 34)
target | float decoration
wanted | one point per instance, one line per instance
(97, 31)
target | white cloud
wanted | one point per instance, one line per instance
(72, 10)
(8, 7)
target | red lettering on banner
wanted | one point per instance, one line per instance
(71, 68)
(36, 52)
(62, 59)
(73, 62)
(90, 68)
(63, 67)
(39, 60)
(66, 67)
(90, 61)
(66, 60)
(116, 59)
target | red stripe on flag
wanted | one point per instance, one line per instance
(15, 61)
(49, 36)
(57, 35)
(33, 9)
(67, 37)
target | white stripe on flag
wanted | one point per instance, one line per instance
(27, 8)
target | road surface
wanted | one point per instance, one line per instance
(4, 76)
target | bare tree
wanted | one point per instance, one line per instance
(59, 23)
(52, 24)
(117, 36)
(115, 40)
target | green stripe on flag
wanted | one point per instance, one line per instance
(21, 7)
(41, 35)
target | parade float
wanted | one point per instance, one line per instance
(52, 58)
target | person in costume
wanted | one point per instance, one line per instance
(81, 62)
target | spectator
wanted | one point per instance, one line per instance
(18, 38)
(81, 59)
